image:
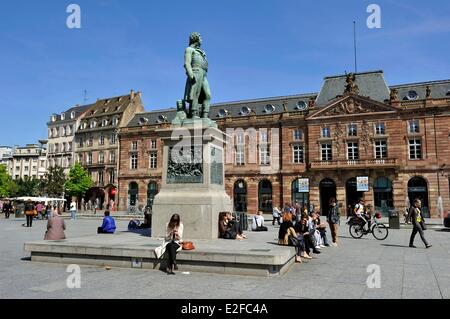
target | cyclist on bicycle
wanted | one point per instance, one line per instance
(361, 213)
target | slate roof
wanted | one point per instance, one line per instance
(371, 84)
(258, 106)
(108, 106)
(439, 89)
(78, 111)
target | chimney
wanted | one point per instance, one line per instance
(132, 94)
(140, 94)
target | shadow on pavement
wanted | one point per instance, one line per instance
(443, 230)
(400, 246)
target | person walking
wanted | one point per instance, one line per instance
(7, 209)
(73, 210)
(40, 208)
(334, 218)
(416, 219)
(29, 213)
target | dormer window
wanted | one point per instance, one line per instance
(143, 120)
(105, 122)
(298, 135)
(106, 101)
(448, 93)
(54, 118)
(352, 130)
(412, 95)
(63, 116)
(245, 111)
(222, 113)
(93, 124)
(161, 119)
(72, 115)
(326, 132)
(301, 105)
(115, 121)
(269, 108)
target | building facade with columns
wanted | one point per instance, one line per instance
(357, 137)
(97, 146)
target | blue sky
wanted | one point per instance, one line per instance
(255, 49)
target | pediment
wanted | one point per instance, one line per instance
(352, 105)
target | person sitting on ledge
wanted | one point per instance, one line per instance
(229, 228)
(108, 226)
(55, 228)
(258, 222)
(287, 236)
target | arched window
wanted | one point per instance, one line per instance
(240, 196)
(133, 191)
(265, 196)
(152, 191)
(418, 189)
(383, 195)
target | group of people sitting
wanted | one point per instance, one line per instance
(305, 233)
(229, 228)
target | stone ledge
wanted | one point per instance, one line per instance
(257, 256)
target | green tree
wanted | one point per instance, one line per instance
(6, 183)
(29, 186)
(53, 182)
(79, 181)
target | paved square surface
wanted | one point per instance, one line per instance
(336, 273)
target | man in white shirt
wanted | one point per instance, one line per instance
(258, 222)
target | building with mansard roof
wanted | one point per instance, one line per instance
(357, 137)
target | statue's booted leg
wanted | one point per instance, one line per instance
(207, 98)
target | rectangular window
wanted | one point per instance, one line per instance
(415, 149)
(380, 129)
(264, 154)
(298, 154)
(326, 132)
(353, 151)
(298, 135)
(134, 161)
(81, 142)
(381, 149)
(240, 155)
(134, 146)
(264, 137)
(101, 157)
(153, 160)
(113, 139)
(112, 157)
(352, 130)
(70, 147)
(56, 148)
(327, 153)
(91, 141)
(100, 177)
(112, 176)
(89, 159)
(414, 126)
(102, 140)
(153, 144)
(80, 159)
(240, 140)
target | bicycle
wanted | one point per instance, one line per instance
(358, 230)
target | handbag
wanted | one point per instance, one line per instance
(188, 245)
(422, 224)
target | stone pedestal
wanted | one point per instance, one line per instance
(193, 181)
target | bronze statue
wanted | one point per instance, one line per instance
(197, 92)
